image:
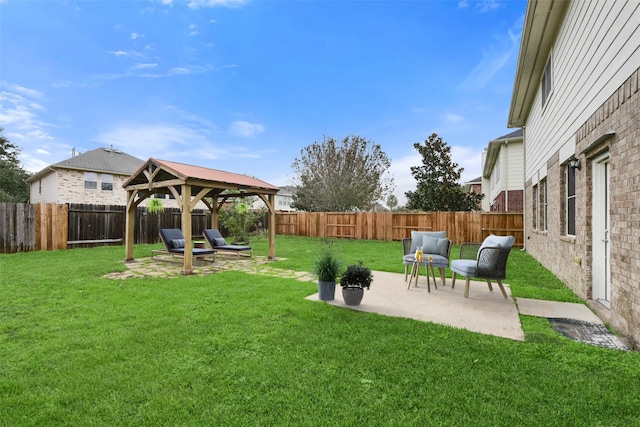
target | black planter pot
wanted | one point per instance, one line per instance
(352, 295)
(326, 290)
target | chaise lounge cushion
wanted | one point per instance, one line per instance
(173, 240)
(218, 242)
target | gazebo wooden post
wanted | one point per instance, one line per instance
(130, 221)
(186, 230)
(215, 212)
(272, 226)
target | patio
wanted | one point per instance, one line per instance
(483, 312)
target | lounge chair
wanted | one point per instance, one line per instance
(173, 240)
(434, 244)
(219, 244)
(483, 261)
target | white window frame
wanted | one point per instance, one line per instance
(106, 182)
(91, 181)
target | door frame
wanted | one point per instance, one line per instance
(600, 227)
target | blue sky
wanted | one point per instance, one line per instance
(244, 86)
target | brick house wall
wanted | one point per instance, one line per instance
(515, 201)
(571, 258)
(71, 189)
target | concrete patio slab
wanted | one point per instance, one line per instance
(554, 309)
(484, 311)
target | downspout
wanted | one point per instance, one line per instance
(506, 177)
(524, 189)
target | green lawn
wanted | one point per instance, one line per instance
(239, 349)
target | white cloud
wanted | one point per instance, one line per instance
(21, 113)
(118, 53)
(143, 66)
(179, 70)
(495, 58)
(171, 141)
(195, 4)
(401, 171)
(463, 4)
(146, 139)
(454, 118)
(135, 36)
(467, 158)
(486, 6)
(245, 129)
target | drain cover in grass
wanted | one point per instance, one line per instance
(587, 332)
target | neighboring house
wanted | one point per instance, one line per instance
(475, 186)
(576, 96)
(283, 200)
(94, 177)
(502, 174)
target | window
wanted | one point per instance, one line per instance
(534, 205)
(543, 203)
(107, 182)
(546, 82)
(90, 181)
(571, 200)
(284, 201)
(39, 186)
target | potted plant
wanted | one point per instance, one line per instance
(354, 280)
(327, 267)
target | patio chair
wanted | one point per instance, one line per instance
(483, 261)
(173, 240)
(219, 244)
(434, 244)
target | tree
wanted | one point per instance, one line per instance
(392, 201)
(240, 220)
(341, 177)
(13, 179)
(438, 188)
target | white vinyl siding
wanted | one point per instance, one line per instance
(585, 73)
(507, 171)
(45, 189)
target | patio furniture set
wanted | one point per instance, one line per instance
(432, 249)
(428, 249)
(174, 243)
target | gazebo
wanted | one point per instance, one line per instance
(189, 185)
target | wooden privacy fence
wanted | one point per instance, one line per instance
(46, 226)
(459, 226)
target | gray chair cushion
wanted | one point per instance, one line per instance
(437, 260)
(465, 267)
(434, 245)
(493, 241)
(417, 238)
